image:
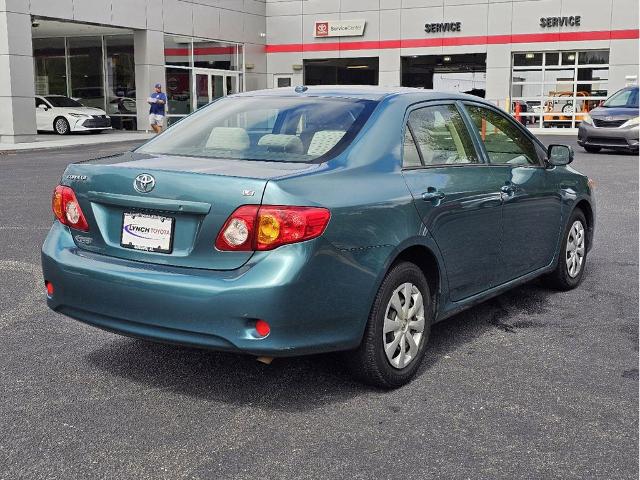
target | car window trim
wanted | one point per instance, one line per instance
(434, 103)
(415, 144)
(536, 142)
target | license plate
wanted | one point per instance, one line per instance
(151, 233)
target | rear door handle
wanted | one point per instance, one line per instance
(432, 195)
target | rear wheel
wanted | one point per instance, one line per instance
(397, 331)
(61, 126)
(573, 255)
(592, 149)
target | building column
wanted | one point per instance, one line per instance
(148, 48)
(17, 86)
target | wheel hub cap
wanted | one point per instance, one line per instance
(574, 253)
(403, 325)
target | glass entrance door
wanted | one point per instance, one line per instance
(210, 85)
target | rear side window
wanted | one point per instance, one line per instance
(441, 136)
(277, 129)
(503, 141)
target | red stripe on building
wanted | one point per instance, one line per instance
(456, 41)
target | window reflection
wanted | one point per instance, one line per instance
(50, 66)
(85, 61)
(121, 77)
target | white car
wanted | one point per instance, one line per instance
(60, 114)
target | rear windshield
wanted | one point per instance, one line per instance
(281, 129)
(63, 102)
(627, 97)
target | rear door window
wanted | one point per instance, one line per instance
(442, 136)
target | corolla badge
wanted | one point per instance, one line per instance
(144, 183)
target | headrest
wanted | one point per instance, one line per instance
(324, 140)
(229, 138)
(281, 143)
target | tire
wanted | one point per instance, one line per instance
(370, 362)
(61, 126)
(592, 149)
(566, 275)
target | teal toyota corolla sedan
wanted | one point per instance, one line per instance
(316, 219)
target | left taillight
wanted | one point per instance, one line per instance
(67, 210)
(253, 227)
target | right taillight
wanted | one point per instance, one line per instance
(253, 227)
(67, 210)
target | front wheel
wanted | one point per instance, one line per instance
(573, 255)
(61, 126)
(397, 330)
(592, 149)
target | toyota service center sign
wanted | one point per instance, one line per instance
(343, 28)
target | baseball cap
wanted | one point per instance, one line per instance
(158, 85)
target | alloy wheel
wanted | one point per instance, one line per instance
(403, 325)
(574, 254)
(61, 126)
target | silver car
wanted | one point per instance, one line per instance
(612, 125)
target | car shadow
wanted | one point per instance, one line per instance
(301, 383)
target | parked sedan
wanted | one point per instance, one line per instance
(289, 222)
(613, 125)
(62, 115)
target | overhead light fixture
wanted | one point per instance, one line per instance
(296, 67)
(572, 57)
(357, 67)
(447, 59)
(414, 56)
(530, 55)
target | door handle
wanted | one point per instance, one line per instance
(507, 189)
(432, 194)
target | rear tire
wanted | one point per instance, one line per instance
(397, 330)
(572, 259)
(592, 149)
(61, 126)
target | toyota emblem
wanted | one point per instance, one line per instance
(144, 183)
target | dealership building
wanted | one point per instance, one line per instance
(547, 61)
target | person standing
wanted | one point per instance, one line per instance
(158, 102)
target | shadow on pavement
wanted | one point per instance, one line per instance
(301, 383)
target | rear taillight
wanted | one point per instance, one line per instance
(67, 210)
(253, 227)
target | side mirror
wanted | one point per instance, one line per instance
(42, 106)
(559, 155)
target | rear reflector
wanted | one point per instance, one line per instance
(253, 227)
(49, 286)
(67, 210)
(262, 328)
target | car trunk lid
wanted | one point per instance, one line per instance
(193, 196)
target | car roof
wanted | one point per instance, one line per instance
(361, 92)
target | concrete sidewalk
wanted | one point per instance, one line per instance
(45, 141)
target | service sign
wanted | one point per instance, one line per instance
(339, 28)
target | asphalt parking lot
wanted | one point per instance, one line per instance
(532, 384)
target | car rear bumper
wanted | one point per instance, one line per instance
(298, 289)
(616, 138)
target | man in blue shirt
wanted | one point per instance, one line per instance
(158, 102)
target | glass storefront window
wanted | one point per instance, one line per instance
(50, 66)
(561, 90)
(593, 57)
(527, 59)
(551, 58)
(178, 91)
(527, 76)
(121, 75)
(85, 62)
(568, 58)
(177, 51)
(221, 56)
